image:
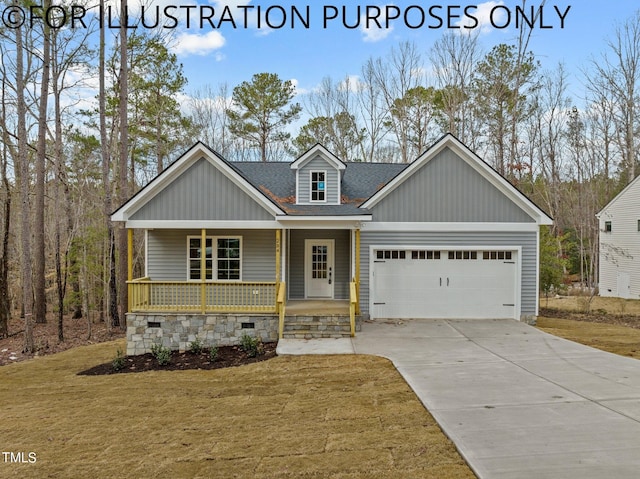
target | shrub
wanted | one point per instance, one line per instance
(252, 346)
(161, 353)
(213, 354)
(196, 346)
(119, 361)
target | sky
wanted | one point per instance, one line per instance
(329, 46)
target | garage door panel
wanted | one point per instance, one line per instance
(444, 287)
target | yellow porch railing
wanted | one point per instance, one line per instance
(185, 296)
(281, 305)
(353, 306)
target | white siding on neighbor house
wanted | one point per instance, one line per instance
(332, 181)
(620, 248)
(526, 240)
(167, 253)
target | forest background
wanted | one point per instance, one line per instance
(65, 165)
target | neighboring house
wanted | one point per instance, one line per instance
(443, 237)
(619, 224)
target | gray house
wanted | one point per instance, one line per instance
(295, 248)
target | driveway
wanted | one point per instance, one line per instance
(517, 402)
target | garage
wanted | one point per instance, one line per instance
(445, 283)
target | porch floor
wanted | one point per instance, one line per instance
(317, 307)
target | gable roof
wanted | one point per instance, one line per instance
(164, 179)
(619, 195)
(311, 153)
(474, 161)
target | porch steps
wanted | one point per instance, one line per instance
(316, 327)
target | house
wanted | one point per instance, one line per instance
(234, 248)
(619, 244)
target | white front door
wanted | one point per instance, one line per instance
(319, 268)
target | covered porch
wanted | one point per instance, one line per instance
(151, 295)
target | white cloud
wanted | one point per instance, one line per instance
(299, 91)
(195, 44)
(351, 83)
(484, 14)
(370, 30)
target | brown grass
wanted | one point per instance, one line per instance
(607, 337)
(289, 417)
(577, 303)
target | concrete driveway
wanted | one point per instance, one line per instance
(517, 402)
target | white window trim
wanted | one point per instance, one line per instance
(324, 172)
(214, 259)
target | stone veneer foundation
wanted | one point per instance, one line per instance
(177, 331)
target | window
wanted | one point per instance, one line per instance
(422, 254)
(497, 255)
(221, 263)
(607, 226)
(391, 254)
(318, 186)
(463, 255)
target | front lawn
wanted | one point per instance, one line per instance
(288, 417)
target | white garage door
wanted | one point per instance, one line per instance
(417, 283)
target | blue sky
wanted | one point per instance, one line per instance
(306, 55)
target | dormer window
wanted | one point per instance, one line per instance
(318, 186)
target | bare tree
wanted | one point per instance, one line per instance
(123, 179)
(5, 301)
(23, 179)
(40, 300)
(617, 73)
(394, 76)
(454, 58)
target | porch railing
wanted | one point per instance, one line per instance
(184, 296)
(353, 306)
(281, 305)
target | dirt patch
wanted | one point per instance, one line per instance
(228, 356)
(45, 336)
(595, 316)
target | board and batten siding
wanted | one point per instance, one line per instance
(447, 189)
(526, 240)
(296, 279)
(332, 181)
(202, 192)
(620, 248)
(167, 252)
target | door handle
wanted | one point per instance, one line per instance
(440, 281)
(447, 281)
(329, 275)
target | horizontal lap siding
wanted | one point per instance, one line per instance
(620, 248)
(167, 253)
(331, 181)
(202, 192)
(411, 238)
(342, 261)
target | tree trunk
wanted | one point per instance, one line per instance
(40, 305)
(23, 167)
(110, 294)
(5, 306)
(123, 182)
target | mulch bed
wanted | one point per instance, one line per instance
(228, 356)
(595, 316)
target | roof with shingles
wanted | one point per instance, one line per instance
(359, 182)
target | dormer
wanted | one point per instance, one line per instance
(318, 177)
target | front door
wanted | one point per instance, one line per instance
(319, 268)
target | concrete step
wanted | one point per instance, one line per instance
(312, 327)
